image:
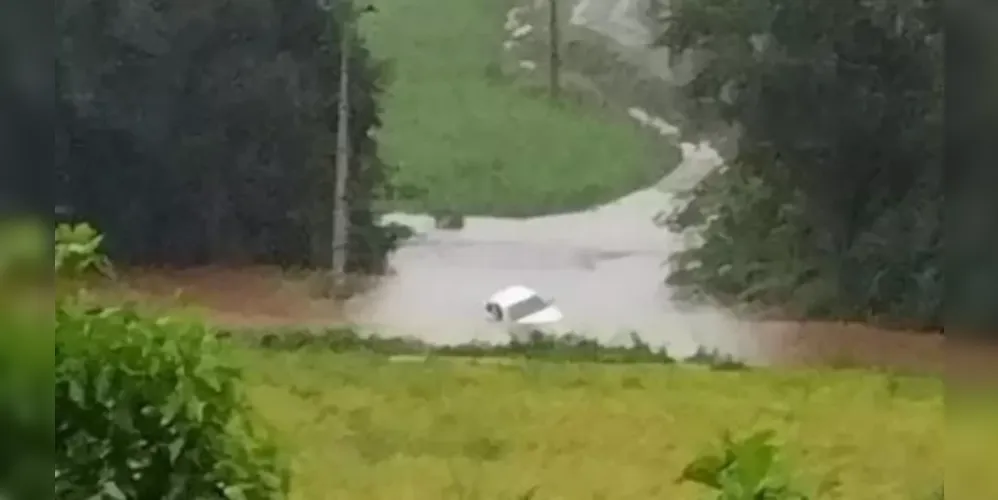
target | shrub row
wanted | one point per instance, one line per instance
(147, 407)
(570, 348)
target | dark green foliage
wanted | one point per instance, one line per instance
(715, 360)
(26, 108)
(147, 408)
(26, 377)
(831, 207)
(569, 348)
(23, 243)
(76, 251)
(971, 153)
(26, 404)
(144, 407)
(204, 132)
(743, 469)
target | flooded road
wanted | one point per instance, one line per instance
(604, 268)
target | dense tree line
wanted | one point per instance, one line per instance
(204, 132)
(26, 107)
(971, 176)
(831, 207)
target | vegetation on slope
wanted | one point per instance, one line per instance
(465, 141)
(831, 207)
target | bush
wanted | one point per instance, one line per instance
(26, 405)
(749, 468)
(208, 136)
(26, 399)
(20, 261)
(148, 407)
(831, 207)
(568, 348)
(743, 469)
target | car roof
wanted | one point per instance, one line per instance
(512, 294)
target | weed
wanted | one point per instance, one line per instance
(570, 348)
(716, 360)
(148, 407)
(743, 469)
(443, 428)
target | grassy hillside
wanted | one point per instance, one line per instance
(478, 145)
(363, 427)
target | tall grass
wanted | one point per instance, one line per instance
(364, 426)
(471, 143)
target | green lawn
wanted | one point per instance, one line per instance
(361, 427)
(472, 142)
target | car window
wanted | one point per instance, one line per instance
(526, 307)
(494, 310)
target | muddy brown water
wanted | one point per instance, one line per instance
(606, 274)
(417, 302)
(605, 269)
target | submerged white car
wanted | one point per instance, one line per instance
(522, 311)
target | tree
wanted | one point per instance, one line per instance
(203, 132)
(831, 207)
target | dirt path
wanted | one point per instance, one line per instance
(244, 297)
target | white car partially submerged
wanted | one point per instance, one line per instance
(522, 311)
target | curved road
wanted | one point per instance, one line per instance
(604, 266)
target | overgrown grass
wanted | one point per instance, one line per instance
(473, 144)
(569, 348)
(971, 442)
(363, 426)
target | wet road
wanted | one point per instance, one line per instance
(604, 268)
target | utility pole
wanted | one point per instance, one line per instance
(341, 209)
(341, 212)
(554, 49)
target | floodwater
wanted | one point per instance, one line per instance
(603, 267)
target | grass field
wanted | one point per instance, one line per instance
(473, 143)
(361, 427)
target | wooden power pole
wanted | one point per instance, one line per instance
(554, 49)
(341, 212)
